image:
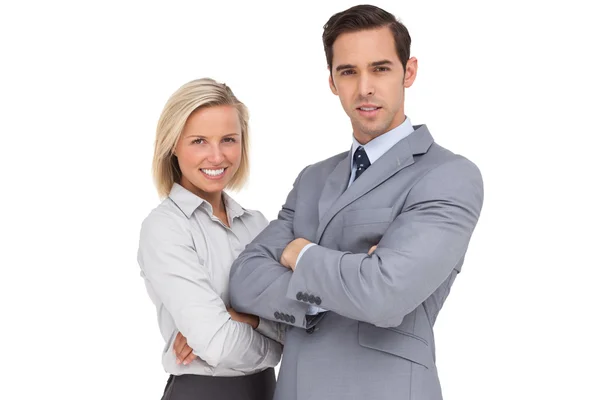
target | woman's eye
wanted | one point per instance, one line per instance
(230, 140)
(197, 141)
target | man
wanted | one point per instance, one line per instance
(361, 321)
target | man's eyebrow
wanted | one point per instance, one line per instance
(344, 66)
(380, 63)
(373, 64)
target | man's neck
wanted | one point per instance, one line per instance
(364, 138)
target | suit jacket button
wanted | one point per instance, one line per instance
(318, 300)
(304, 297)
(311, 299)
(299, 296)
(277, 315)
(292, 319)
(286, 317)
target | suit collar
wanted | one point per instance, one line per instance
(335, 197)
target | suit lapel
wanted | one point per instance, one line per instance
(335, 185)
(334, 196)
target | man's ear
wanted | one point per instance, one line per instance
(332, 85)
(410, 73)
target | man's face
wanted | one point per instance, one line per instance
(368, 77)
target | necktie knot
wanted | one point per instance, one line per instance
(361, 161)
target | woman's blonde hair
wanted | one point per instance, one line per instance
(199, 93)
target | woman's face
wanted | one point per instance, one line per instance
(209, 150)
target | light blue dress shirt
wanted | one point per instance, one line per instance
(374, 149)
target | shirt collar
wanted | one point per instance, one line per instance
(381, 144)
(188, 202)
(233, 208)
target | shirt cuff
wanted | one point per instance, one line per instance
(314, 310)
(308, 246)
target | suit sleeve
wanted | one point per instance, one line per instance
(416, 254)
(258, 282)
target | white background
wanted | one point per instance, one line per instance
(512, 85)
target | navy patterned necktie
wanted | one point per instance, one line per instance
(361, 161)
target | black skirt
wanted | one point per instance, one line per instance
(260, 386)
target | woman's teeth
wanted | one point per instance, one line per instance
(213, 172)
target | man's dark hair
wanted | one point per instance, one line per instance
(365, 17)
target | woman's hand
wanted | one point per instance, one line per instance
(183, 352)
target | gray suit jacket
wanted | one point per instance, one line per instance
(420, 203)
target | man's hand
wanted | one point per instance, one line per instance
(289, 257)
(183, 352)
(249, 319)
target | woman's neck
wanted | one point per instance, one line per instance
(216, 201)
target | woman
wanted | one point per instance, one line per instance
(187, 245)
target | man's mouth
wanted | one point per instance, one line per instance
(368, 110)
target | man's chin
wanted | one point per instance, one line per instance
(373, 130)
